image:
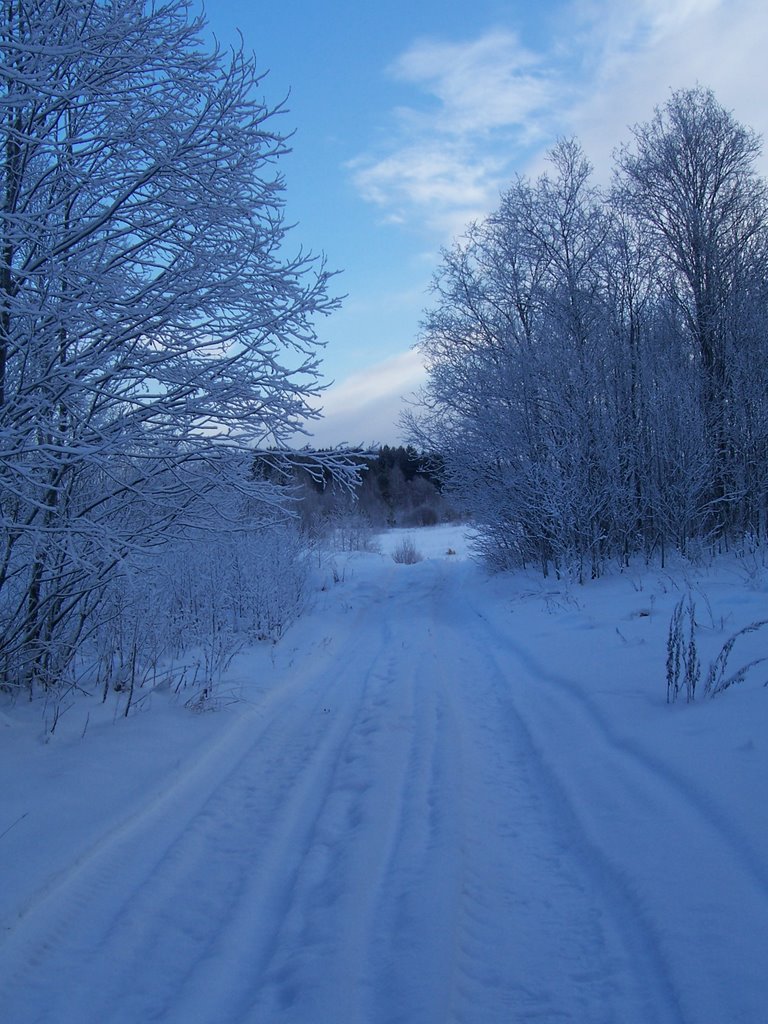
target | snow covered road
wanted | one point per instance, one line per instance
(419, 822)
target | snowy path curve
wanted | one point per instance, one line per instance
(395, 835)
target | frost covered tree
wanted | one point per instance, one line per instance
(512, 346)
(597, 370)
(153, 327)
(690, 180)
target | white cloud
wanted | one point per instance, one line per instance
(487, 83)
(656, 46)
(365, 407)
(449, 183)
(448, 162)
(488, 106)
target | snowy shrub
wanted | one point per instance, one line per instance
(406, 553)
(352, 531)
(133, 643)
(752, 556)
(683, 665)
(717, 680)
(276, 564)
(176, 619)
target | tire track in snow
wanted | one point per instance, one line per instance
(357, 941)
(320, 932)
(645, 968)
(627, 751)
(672, 858)
(413, 950)
(539, 893)
(132, 893)
(223, 943)
(411, 856)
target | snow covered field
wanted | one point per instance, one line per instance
(441, 798)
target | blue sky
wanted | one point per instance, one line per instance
(410, 118)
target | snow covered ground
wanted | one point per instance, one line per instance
(441, 798)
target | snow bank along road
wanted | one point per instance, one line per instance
(419, 822)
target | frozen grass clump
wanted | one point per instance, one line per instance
(406, 552)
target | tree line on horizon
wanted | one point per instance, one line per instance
(395, 485)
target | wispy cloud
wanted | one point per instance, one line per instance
(640, 52)
(487, 83)
(363, 408)
(479, 104)
(489, 106)
(449, 182)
